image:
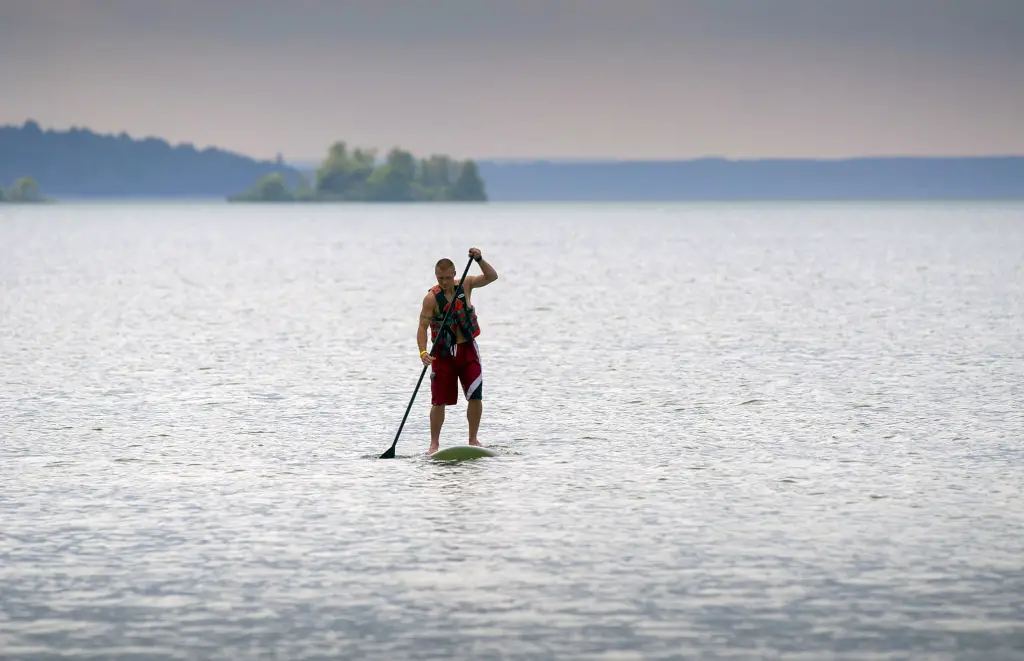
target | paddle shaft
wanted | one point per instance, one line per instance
(390, 452)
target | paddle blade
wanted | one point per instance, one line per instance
(389, 453)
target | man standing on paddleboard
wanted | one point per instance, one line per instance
(455, 357)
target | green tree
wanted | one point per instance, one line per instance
(270, 188)
(342, 173)
(359, 176)
(361, 167)
(1, 193)
(331, 177)
(388, 184)
(403, 163)
(469, 187)
(436, 172)
(25, 189)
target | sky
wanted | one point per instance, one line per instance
(520, 79)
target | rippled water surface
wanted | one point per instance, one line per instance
(725, 432)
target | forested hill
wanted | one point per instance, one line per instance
(79, 162)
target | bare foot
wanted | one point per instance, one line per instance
(476, 443)
(432, 449)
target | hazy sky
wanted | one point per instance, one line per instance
(526, 78)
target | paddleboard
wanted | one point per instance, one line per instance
(462, 452)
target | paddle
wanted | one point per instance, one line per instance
(390, 452)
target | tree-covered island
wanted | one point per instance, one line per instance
(359, 176)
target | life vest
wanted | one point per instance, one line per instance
(462, 317)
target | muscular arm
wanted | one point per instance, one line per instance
(489, 276)
(426, 312)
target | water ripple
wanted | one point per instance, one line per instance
(723, 431)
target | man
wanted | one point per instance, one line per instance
(455, 357)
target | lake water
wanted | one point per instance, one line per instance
(740, 431)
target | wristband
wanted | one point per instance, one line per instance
(423, 352)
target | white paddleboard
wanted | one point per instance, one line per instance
(462, 452)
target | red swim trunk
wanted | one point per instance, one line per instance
(448, 370)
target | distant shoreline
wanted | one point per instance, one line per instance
(219, 201)
(124, 168)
